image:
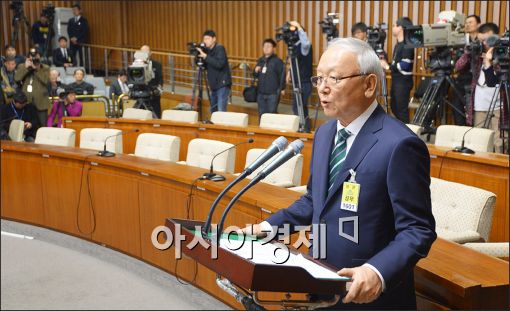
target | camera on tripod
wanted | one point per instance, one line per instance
(49, 11)
(501, 51)
(329, 26)
(449, 32)
(17, 7)
(376, 36)
(139, 75)
(192, 50)
(288, 34)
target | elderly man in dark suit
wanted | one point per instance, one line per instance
(369, 185)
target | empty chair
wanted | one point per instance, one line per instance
(286, 122)
(496, 249)
(94, 138)
(180, 115)
(201, 151)
(229, 118)
(99, 85)
(287, 175)
(134, 113)
(67, 79)
(463, 213)
(158, 146)
(56, 136)
(478, 139)
(93, 109)
(16, 130)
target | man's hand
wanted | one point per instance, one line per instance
(287, 78)
(68, 65)
(487, 58)
(201, 53)
(384, 63)
(255, 230)
(296, 24)
(282, 93)
(366, 285)
(28, 125)
(29, 63)
(258, 69)
(74, 40)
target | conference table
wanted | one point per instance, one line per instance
(487, 171)
(117, 202)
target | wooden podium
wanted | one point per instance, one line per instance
(251, 276)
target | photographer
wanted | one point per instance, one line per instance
(483, 86)
(40, 33)
(269, 71)
(401, 72)
(359, 31)
(18, 108)
(79, 85)
(156, 83)
(34, 77)
(7, 82)
(78, 32)
(62, 56)
(463, 80)
(305, 58)
(218, 71)
(67, 105)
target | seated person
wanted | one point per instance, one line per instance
(79, 85)
(54, 83)
(66, 106)
(119, 86)
(20, 109)
(62, 56)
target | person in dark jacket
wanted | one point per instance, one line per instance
(79, 85)
(19, 109)
(63, 56)
(218, 71)
(78, 32)
(270, 72)
(41, 34)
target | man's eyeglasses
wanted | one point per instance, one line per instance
(317, 80)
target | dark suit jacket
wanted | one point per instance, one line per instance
(218, 69)
(395, 223)
(58, 57)
(79, 30)
(157, 68)
(115, 88)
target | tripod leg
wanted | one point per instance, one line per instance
(298, 94)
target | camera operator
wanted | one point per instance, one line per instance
(34, 77)
(79, 85)
(8, 83)
(269, 71)
(40, 33)
(78, 32)
(359, 31)
(304, 52)
(401, 72)
(18, 108)
(483, 85)
(218, 71)
(62, 56)
(67, 105)
(463, 80)
(156, 83)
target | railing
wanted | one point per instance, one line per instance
(110, 107)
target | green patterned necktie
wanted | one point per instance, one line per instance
(337, 157)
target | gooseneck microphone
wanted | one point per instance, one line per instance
(462, 148)
(276, 146)
(216, 177)
(106, 153)
(293, 149)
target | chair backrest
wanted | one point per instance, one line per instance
(478, 139)
(280, 121)
(99, 85)
(287, 175)
(180, 115)
(134, 113)
(458, 207)
(415, 128)
(158, 146)
(201, 151)
(16, 129)
(93, 109)
(56, 136)
(94, 138)
(229, 118)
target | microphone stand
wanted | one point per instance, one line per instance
(217, 177)
(462, 148)
(107, 154)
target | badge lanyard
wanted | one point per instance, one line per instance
(16, 113)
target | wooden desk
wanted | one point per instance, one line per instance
(487, 171)
(53, 187)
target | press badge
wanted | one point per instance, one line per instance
(29, 88)
(350, 194)
(264, 69)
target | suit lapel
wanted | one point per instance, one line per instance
(364, 141)
(323, 150)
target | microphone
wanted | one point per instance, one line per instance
(462, 148)
(276, 146)
(216, 177)
(293, 149)
(106, 153)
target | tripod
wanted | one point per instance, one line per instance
(19, 16)
(197, 84)
(297, 90)
(501, 89)
(45, 51)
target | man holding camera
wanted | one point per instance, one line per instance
(304, 53)
(269, 72)
(18, 108)
(401, 71)
(218, 71)
(8, 83)
(78, 32)
(156, 83)
(34, 77)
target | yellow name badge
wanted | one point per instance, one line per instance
(350, 195)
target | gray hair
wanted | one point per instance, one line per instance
(368, 61)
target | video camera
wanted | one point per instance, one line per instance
(288, 34)
(448, 32)
(192, 50)
(329, 26)
(376, 36)
(139, 75)
(501, 50)
(49, 11)
(17, 7)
